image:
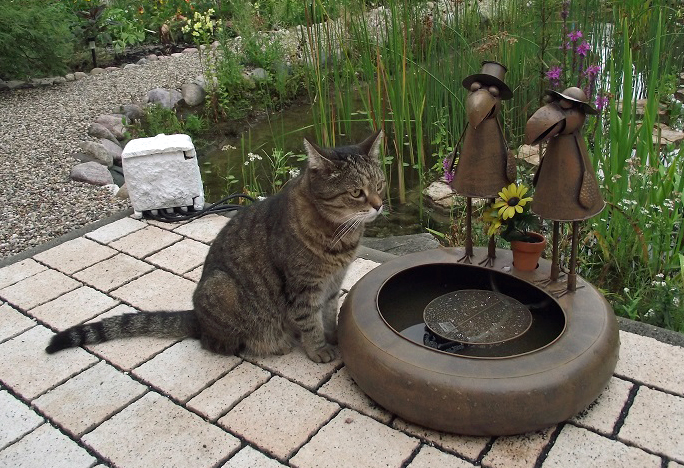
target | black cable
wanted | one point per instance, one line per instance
(219, 207)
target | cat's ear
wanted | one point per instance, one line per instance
(317, 158)
(371, 145)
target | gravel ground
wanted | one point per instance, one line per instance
(40, 128)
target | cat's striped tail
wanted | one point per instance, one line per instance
(159, 324)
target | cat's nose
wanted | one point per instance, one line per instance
(375, 201)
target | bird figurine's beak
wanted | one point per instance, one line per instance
(544, 124)
(480, 105)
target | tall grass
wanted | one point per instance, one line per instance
(405, 73)
(634, 248)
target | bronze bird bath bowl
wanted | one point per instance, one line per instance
(498, 354)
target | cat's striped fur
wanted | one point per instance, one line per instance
(273, 274)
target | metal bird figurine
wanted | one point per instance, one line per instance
(485, 164)
(566, 188)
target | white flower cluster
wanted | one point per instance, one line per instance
(659, 280)
(294, 172)
(252, 157)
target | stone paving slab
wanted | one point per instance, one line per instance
(181, 257)
(298, 367)
(16, 419)
(279, 425)
(604, 413)
(468, 447)
(169, 371)
(203, 229)
(430, 457)
(73, 308)
(113, 272)
(116, 230)
(352, 439)
(18, 271)
(517, 451)
(153, 431)
(222, 395)
(46, 446)
(578, 447)
(84, 401)
(145, 241)
(38, 289)
(654, 423)
(107, 404)
(75, 255)
(157, 290)
(27, 369)
(341, 388)
(12, 322)
(250, 458)
(651, 362)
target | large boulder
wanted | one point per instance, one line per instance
(100, 131)
(114, 149)
(91, 173)
(193, 94)
(132, 111)
(167, 98)
(97, 152)
(115, 123)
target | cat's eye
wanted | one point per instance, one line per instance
(380, 186)
(356, 193)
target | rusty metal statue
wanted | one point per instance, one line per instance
(566, 188)
(485, 165)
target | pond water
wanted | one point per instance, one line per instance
(223, 168)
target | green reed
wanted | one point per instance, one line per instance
(633, 248)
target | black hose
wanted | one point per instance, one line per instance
(220, 206)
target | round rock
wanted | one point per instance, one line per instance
(97, 152)
(91, 173)
(115, 123)
(131, 111)
(114, 149)
(193, 94)
(167, 98)
(100, 131)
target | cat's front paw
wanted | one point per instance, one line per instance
(325, 354)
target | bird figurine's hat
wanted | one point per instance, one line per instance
(492, 74)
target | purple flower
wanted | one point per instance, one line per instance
(583, 49)
(601, 102)
(554, 73)
(592, 70)
(575, 35)
(448, 175)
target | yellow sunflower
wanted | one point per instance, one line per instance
(491, 220)
(511, 201)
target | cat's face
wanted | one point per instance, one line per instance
(347, 182)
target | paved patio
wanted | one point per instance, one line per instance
(151, 402)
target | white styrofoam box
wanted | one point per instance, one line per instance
(162, 172)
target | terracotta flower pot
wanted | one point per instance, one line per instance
(526, 254)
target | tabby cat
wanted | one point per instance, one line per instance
(272, 275)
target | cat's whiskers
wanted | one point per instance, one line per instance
(346, 219)
(348, 226)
